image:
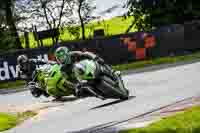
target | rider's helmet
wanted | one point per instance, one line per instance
(22, 59)
(22, 62)
(62, 55)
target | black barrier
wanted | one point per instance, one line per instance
(8, 68)
(46, 34)
(114, 50)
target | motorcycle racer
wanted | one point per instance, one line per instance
(68, 58)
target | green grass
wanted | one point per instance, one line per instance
(12, 84)
(8, 121)
(25, 115)
(116, 25)
(157, 61)
(182, 122)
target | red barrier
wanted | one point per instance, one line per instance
(140, 53)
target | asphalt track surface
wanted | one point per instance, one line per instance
(152, 90)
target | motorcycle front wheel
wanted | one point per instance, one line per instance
(111, 90)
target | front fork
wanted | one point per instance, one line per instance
(85, 86)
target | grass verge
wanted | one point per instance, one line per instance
(8, 121)
(157, 61)
(12, 84)
(183, 122)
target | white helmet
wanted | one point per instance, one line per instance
(22, 59)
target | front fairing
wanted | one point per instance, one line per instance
(42, 73)
(56, 83)
(85, 70)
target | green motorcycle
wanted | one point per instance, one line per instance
(48, 80)
(99, 80)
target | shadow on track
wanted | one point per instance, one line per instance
(63, 99)
(95, 128)
(112, 103)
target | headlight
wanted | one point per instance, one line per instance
(79, 70)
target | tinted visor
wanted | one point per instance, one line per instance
(61, 57)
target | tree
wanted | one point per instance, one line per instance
(9, 21)
(74, 31)
(46, 14)
(162, 12)
(85, 10)
(140, 15)
(7, 41)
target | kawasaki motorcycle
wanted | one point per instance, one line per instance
(48, 80)
(99, 80)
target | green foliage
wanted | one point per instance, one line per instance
(184, 122)
(8, 30)
(163, 12)
(74, 32)
(7, 40)
(141, 16)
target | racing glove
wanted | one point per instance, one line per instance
(99, 60)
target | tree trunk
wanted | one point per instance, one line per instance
(130, 27)
(11, 23)
(81, 20)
